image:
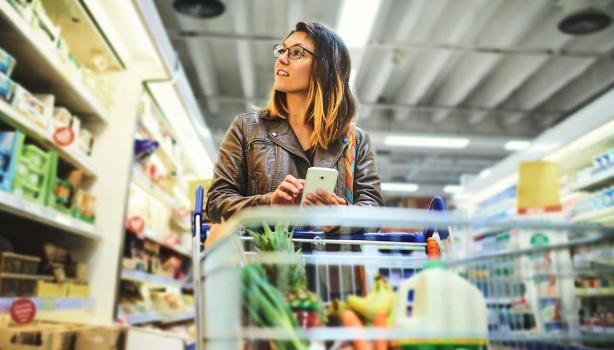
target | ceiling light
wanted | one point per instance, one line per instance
(426, 142)
(399, 187)
(453, 189)
(585, 21)
(356, 21)
(516, 145)
(199, 8)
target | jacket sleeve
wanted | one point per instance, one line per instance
(367, 190)
(228, 192)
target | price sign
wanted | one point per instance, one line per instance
(23, 311)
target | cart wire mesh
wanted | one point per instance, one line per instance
(537, 292)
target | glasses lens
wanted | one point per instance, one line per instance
(278, 50)
(296, 52)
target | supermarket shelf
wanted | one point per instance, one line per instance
(51, 304)
(595, 292)
(80, 161)
(139, 276)
(146, 185)
(23, 208)
(597, 181)
(45, 70)
(603, 216)
(180, 317)
(136, 319)
(500, 301)
(597, 329)
(148, 234)
(155, 317)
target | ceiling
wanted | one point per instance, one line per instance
(489, 70)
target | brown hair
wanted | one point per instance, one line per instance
(330, 103)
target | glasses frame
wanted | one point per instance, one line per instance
(280, 49)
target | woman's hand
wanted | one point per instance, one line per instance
(288, 192)
(325, 198)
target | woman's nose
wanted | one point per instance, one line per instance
(283, 58)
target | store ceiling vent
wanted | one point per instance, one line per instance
(584, 17)
(199, 8)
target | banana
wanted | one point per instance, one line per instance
(378, 302)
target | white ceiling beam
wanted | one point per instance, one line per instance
(246, 65)
(373, 80)
(551, 78)
(478, 15)
(597, 78)
(511, 73)
(532, 12)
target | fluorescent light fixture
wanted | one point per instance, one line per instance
(516, 145)
(453, 189)
(356, 21)
(426, 141)
(399, 187)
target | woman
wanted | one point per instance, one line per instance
(308, 122)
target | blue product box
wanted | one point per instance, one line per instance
(7, 88)
(8, 140)
(7, 63)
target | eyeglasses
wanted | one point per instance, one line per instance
(294, 52)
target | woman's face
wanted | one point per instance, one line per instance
(294, 75)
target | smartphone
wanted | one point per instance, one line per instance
(319, 178)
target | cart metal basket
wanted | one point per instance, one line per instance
(551, 286)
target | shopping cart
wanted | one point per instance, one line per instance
(540, 292)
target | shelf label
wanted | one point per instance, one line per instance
(23, 311)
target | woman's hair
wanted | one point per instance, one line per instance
(330, 103)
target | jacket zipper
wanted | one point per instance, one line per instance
(290, 150)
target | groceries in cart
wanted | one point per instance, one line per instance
(292, 296)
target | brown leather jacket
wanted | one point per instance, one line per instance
(258, 152)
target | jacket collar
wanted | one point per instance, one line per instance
(281, 133)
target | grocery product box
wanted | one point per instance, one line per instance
(17, 285)
(7, 88)
(101, 338)
(25, 8)
(51, 289)
(43, 24)
(18, 263)
(31, 107)
(39, 336)
(78, 290)
(7, 63)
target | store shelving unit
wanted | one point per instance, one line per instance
(45, 215)
(90, 30)
(572, 145)
(148, 234)
(596, 181)
(74, 157)
(155, 317)
(46, 67)
(603, 216)
(51, 304)
(142, 277)
(139, 180)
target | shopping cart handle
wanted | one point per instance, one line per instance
(437, 204)
(417, 237)
(197, 214)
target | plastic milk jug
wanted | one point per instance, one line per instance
(440, 310)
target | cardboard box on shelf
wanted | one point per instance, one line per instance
(51, 289)
(31, 107)
(78, 290)
(101, 338)
(39, 336)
